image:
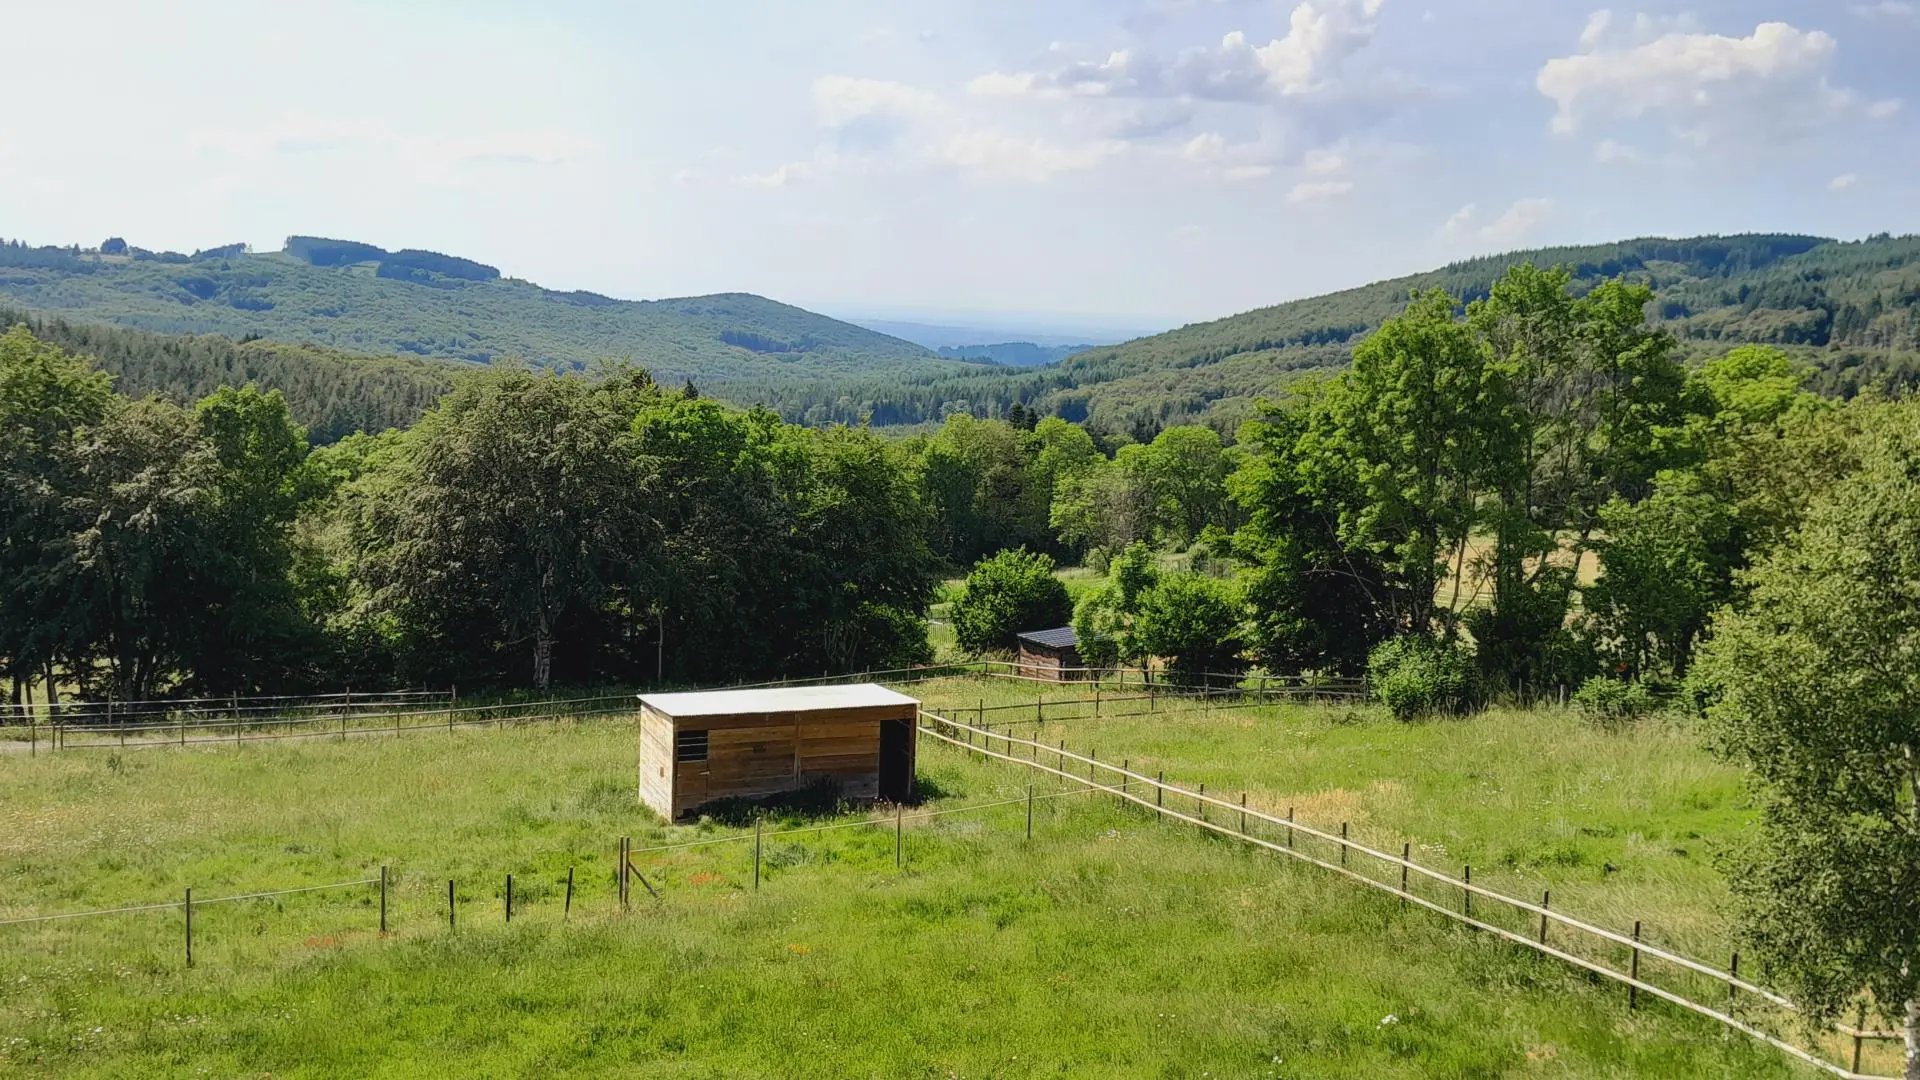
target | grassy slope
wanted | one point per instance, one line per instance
(1620, 825)
(1112, 946)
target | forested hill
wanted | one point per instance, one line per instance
(1852, 309)
(357, 297)
(331, 393)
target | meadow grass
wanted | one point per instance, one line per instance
(1620, 824)
(1110, 945)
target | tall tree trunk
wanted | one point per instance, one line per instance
(1913, 1040)
(542, 656)
(53, 693)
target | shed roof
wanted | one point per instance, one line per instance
(1059, 638)
(775, 699)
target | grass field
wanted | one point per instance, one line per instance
(1110, 945)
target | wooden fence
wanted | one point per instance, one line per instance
(1298, 840)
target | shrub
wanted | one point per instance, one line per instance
(1416, 675)
(1012, 592)
(1611, 702)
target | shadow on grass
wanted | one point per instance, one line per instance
(818, 801)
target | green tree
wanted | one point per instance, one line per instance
(1408, 421)
(47, 401)
(144, 549)
(1194, 623)
(1668, 565)
(1812, 688)
(1315, 602)
(1106, 621)
(1008, 594)
(522, 503)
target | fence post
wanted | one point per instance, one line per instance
(756, 853)
(1859, 1024)
(567, 909)
(1633, 991)
(1243, 812)
(189, 926)
(1733, 971)
(1096, 699)
(900, 822)
(509, 897)
(1200, 802)
(1126, 767)
(383, 899)
(183, 730)
(1029, 811)
(626, 871)
(1406, 864)
(1343, 843)
(1466, 893)
(1289, 826)
(1544, 898)
(451, 921)
(1160, 788)
(1093, 757)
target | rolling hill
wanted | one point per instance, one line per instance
(345, 295)
(1851, 309)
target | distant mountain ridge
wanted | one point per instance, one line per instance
(1013, 353)
(355, 296)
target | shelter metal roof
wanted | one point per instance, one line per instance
(1058, 638)
(775, 699)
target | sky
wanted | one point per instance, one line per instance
(1127, 162)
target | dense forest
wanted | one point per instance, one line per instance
(331, 394)
(1848, 310)
(531, 528)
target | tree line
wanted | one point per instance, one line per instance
(531, 529)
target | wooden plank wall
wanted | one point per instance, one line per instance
(656, 762)
(751, 755)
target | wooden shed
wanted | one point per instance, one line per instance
(1050, 654)
(698, 747)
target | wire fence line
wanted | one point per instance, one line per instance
(1152, 794)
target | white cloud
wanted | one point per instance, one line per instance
(1609, 152)
(1206, 146)
(1320, 35)
(1881, 110)
(1313, 190)
(1772, 82)
(1843, 181)
(1514, 225)
(1324, 160)
(842, 99)
(998, 154)
(1001, 84)
(790, 173)
(1241, 173)
(879, 123)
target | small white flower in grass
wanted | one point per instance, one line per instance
(1389, 1019)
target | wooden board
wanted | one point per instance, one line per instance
(656, 762)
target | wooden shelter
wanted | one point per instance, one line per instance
(1050, 654)
(699, 747)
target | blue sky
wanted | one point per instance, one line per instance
(1145, 162)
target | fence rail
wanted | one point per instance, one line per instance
(1128, 785)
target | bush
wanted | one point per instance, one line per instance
(1008, 594)
(1416, 675)
(1612, 702)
